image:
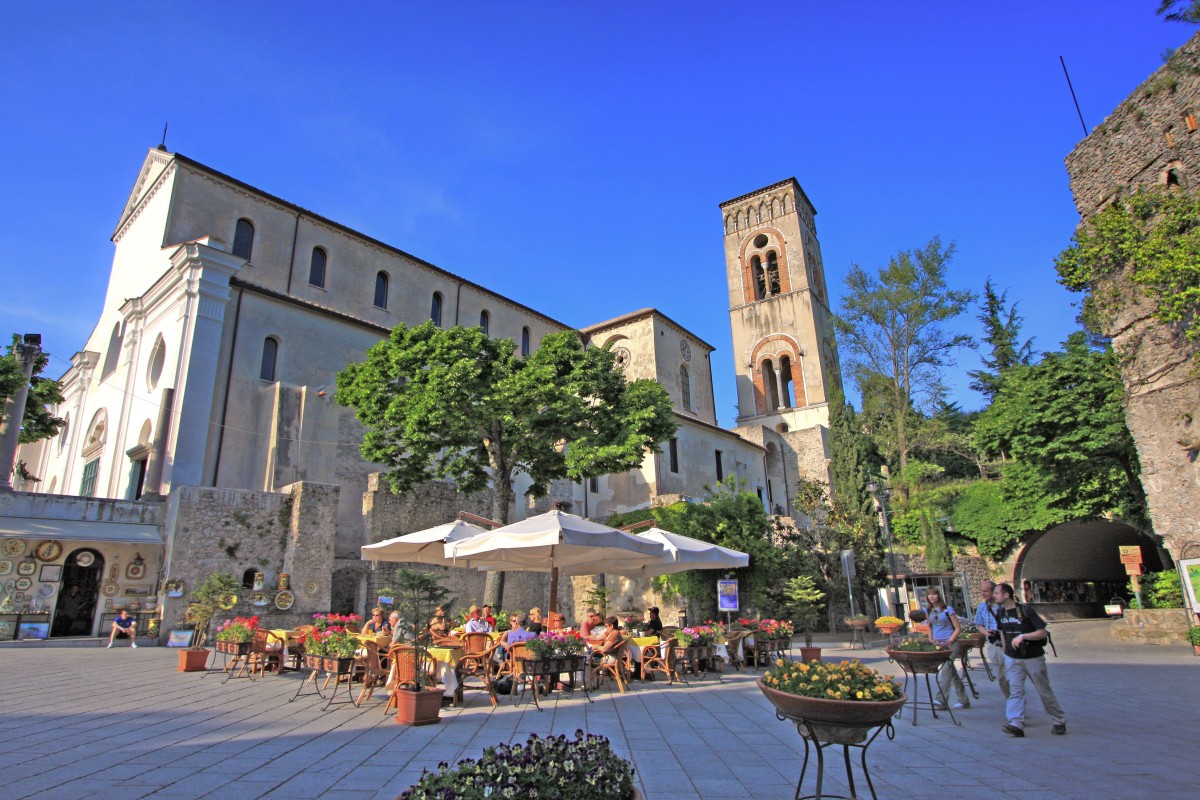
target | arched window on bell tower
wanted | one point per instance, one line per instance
(785, 382)
(770, 385)
(772, 273)
(760, 282)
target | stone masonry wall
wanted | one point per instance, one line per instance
(232, 530)
(1151, 136)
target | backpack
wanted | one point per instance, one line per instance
(1022, 616)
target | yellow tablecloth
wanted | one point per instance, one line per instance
(644, 641)
(446, 655)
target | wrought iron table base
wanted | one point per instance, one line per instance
(932, 704)
(312, 676)
(808, 733)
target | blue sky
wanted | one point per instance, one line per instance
(570, 155)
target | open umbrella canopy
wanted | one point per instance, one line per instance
(424, 547)
(681, 553)
(555, 539)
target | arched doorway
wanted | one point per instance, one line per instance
(75, 612)
(347, 591)
(1073, 569)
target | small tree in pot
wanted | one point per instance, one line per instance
(804, 603)
(417, 595)
(217, 592)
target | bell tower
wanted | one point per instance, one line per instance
(782, 329)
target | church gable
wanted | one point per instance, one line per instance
(155, 164)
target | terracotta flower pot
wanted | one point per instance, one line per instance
(836, 721)
(808, 654)
(193, 660)
(418, 707)
(889, 628)
(920, 661)
(860, 624)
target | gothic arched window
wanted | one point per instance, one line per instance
(270, 353)
(435, 309)
(760, 283)
(381, 290)
(484, 321)
(316, 268)
(685, 386)
(524, 341)
(773, 272)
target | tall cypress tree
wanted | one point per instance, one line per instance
(850, 449)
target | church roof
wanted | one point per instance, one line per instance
(641, 313)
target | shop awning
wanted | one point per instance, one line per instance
(79, 530)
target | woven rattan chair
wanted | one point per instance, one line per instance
(403, 671)
(660, 658)
(375, 673)
(614, 664)
(478, 662)
(733, 643)
(262, 655)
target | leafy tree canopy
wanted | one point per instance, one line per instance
(457, 404)
(37, 423)
(1002, 335)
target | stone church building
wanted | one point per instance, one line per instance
(208, 383)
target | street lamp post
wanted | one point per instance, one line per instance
(880, 496)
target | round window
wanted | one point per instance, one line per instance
(761, 240)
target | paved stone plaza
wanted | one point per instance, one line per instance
(121, 723)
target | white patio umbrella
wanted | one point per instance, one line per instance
(681, 553)
(551, 542)
(424, 547)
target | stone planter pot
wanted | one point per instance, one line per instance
(968, 640)
(890, 628)
(920, 662)
(193, 660)
(418, 707)
(858, 624)
(809, 654)
(836, 721)
(233, 648)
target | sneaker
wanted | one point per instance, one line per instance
(134, 645)
(109, 647)
(959, 705)
(1059, 730)
(1013, 730)
(939, 706)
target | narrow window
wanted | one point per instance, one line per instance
(243, 239)
(685, 385)
(770, 385)
(316, 268)
(248, 578)
(381, 290)
(760, 284)
(593, 484)
(484, 320)
(720, 467)
(113, 355)
(524, 341)
(673, 450)
(270, 352)
(773, 272)
(785, 379)
(435, 309)
(87, 485)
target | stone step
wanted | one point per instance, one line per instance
(78, 641)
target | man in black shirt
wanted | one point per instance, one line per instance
(1023, 636)
(654, 626)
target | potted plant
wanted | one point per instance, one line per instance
(1193, 637)
(970, 635)
(842, 701)
(858, 622)
(331, 649)
(234, 635)
(217, 592)
(888, 625)
(583, 768)
(804, 601)
(919, 656)
(417, 595)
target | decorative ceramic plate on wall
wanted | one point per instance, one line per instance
(110, 588)
(85, 559)
(13, 547)
(284, 600)
(26, 567)
(48, 550)
(259, 599)
(5, 567)
(46, 590)
(312, 587)
(24, 583)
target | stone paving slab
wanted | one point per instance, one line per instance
(94, 723)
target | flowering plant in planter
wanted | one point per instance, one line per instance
(238, 629)
(968, 627)
(332, 642)
(583, 768)
(843, 680)
(915, 645)
(553, 644)
(889, 621)
(325, 621)
(718, 627)
(776, 628)
(699, 636)
(634, 626)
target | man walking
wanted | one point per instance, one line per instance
(985, 620)
(1023, 635)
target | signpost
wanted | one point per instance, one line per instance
(1131, 557)
(849, 570)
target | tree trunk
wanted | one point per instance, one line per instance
(502, 495)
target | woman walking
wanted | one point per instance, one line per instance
(945, 630)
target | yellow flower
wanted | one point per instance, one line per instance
(779, 662)
(859, 695)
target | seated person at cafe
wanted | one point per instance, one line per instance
(125, 626)
(476, 623)
(439, 626)
(610, 642)
(485, 613)
(654, 626)
(590, 629)
(377, 624)
(534, 625)
(398, 633)
(517, 633)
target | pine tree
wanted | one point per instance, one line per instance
(1002, 330)
(937, 549)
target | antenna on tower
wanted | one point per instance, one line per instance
(1073, 97)
(163, 144)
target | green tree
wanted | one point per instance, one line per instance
(893, 324)
(1180, 11)
(457, 404)
(1002, 335)
(37, 422)
(851, 451)
(937, 549)
(1063, 423)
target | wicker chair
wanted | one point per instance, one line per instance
(375, 673)
(733, 643)
(660, 658)
(262, 655)
(614, 664)
(478, 662)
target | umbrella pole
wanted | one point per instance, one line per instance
(553, 604)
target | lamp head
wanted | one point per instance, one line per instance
(872, 487)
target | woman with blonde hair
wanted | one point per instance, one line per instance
(945, 630)
(535, 620)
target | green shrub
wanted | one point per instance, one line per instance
(1159, 590)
